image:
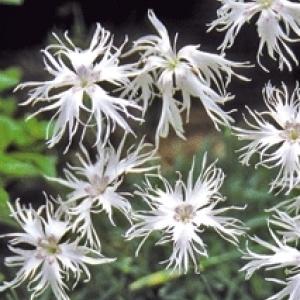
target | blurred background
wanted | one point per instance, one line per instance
(25, 28)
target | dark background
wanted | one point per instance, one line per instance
(25, 29)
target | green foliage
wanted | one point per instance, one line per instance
(143, 278)
(4, 210)
(10, 77)
(21, 143)
(12, 2)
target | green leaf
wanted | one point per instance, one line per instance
(46, 165)
(20, 133)
(10, 166)
(13, 132)
(8, 129)
(153, 279)
(10, 77)
(256, 222)
(23, 137)
(4, 209)
(19, 164)
(35, 128)
(8, 105)
(12, 2)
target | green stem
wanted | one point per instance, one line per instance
(208, 288)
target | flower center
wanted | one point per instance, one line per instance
(292, 131)
(184, 213)
(98, 185)
(172, 63)
(265, 3)
(50, 246)
(85, 76)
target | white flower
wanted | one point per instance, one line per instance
(277, 138)
(182, 213)
(44, 255)
(283, 256)
(191, 72)
(290, 226)
(77, 75)
(292, 289)
(94, 185)
(277, 18)
(291, 205)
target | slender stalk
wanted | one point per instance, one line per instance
(13, 295)
(208, 288)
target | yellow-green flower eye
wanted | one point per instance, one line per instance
(265, 3)
(50, 246)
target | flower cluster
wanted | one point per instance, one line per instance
(93, 88)
(45, 253)
(275, 135)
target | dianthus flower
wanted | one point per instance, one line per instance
(94, 185)
(282, 256)
(275, 136)
(189, 71)
(84, 81)
(182, 213)
(276, 19)
(290, 226)
(45, 254)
